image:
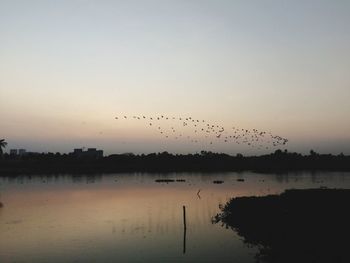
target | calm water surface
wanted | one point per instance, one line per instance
(132, 218)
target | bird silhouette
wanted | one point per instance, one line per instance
(251, 137)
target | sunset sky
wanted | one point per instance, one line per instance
(67, 68)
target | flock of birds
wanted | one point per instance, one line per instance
(199, 131)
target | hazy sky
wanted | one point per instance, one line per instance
(68, 67)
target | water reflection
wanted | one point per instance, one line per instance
(131, 217)
(310, 225)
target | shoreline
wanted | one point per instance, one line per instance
(298, 225)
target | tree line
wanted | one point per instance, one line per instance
(205, 161)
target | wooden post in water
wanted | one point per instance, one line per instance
(184, 242)
(184, 209)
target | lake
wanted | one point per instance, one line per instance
(132, 218)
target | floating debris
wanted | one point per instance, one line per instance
(218, 182)
(164, 180)
(199, 196)
(180, 180)
(240, 180)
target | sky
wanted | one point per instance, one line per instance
(67, 68)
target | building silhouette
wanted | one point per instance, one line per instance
(22, 152)
(13, 152)
(19, 152)
(90, 153)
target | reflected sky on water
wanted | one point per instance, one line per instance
(130, 217)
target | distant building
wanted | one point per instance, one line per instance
(90, 153)
(13, 152)
(77, 152)
(22, 151)
(91, 150)
(18, 152)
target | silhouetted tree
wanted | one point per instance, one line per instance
(278, 152)
(313, 153)
(239, 155)
(3, 144)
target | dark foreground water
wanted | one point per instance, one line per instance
(132, 218)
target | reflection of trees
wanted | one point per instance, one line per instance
(296, 226)
(88, 179)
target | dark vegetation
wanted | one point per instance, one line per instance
(166, 162)
(297, 226)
